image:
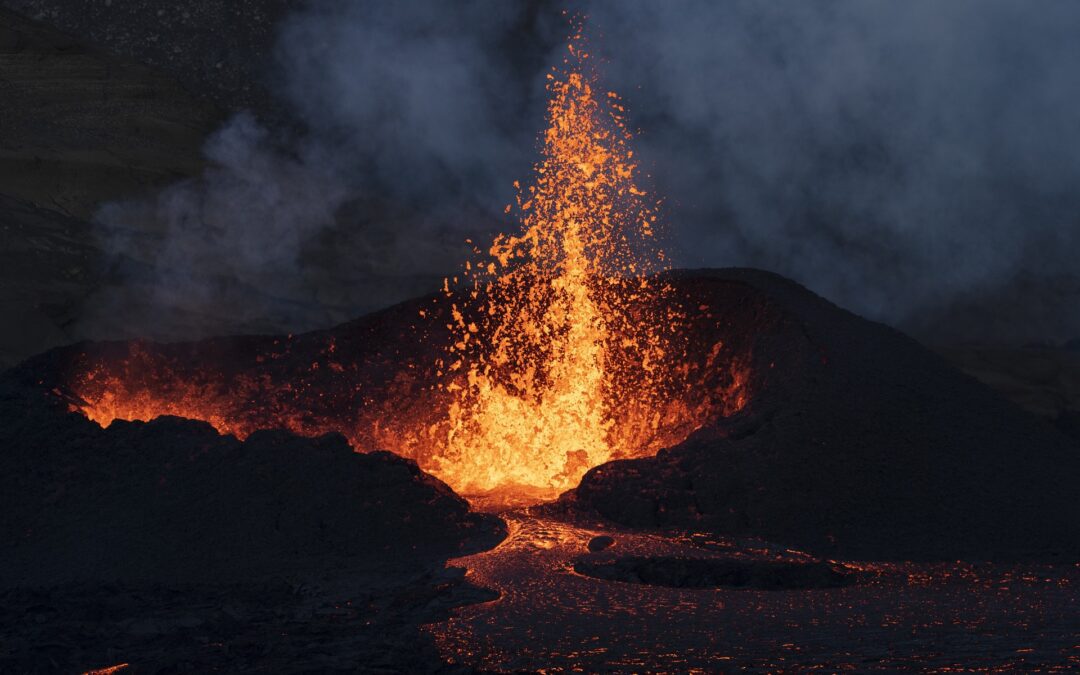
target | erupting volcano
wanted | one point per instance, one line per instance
(565, 346)
(568, 458)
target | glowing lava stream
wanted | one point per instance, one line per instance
(569, 327)
(548, 617)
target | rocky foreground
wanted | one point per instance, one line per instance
(167, 546)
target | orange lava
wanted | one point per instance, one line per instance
(564, 370)
(898, 616)
(565, 349)
(108, 670)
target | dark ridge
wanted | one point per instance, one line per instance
(219, 50)
(857, 442)
(173, 501)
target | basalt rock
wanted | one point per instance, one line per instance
(1068, 422)
(600, 543)
(856, 442)
(173, 501)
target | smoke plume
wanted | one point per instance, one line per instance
(914, 162)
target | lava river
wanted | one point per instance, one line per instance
(886, 616)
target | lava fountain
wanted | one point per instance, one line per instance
(565, 344)
(570, 326)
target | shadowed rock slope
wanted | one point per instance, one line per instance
(857, 442)
(173, 501)
(79, 127)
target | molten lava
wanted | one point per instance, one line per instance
(569, 330)
(565, 346)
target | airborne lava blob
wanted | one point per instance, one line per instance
(571, 336)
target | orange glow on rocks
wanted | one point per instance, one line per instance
(566, 344)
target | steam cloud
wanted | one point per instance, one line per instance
(915, 162)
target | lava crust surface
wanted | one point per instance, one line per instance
(678, 572)
(886, 617)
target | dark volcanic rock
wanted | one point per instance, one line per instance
(600, 543)
(1068, 422)
(713, 573)
(47, 264)
(1044, 380)
(172, 500)
(856, 442)
(82, 126)
(269, 626)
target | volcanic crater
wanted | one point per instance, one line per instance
(818, 436)
(806, 425)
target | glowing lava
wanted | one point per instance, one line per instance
(569, 332)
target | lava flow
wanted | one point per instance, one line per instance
(565, 347)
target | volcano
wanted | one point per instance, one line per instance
(857, 442)
(852, 440)
(571, 458)
(849, 441)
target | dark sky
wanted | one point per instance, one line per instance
(915, 162)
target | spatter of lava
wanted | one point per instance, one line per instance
(565, 348)
(564, 362)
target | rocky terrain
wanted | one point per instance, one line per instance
(172, 501)
(166, 546)
(222, 52)
(368, 624)
(170, 547)
(694, 602)
(1042, 379)
(857, 442)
